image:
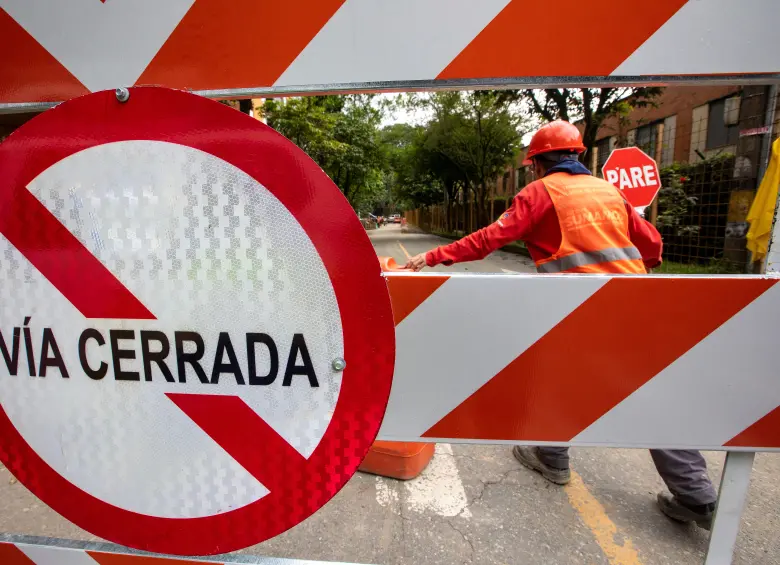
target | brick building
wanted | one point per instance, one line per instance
(684, 125)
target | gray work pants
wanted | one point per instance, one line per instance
(684, 471)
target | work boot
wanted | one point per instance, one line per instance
(528, 457)
(676, 510)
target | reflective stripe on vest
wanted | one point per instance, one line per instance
(589, 258)
(594, 221)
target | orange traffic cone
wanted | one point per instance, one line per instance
(397, 459)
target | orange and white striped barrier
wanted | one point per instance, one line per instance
(586, 360)
(322, 45)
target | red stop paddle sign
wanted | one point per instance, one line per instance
(635, 173)
(193, 360)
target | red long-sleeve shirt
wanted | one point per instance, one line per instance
(532, 219)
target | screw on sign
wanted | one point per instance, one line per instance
(188, 365)
(635, 173)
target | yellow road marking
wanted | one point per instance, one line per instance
(401, 245)
(594, 516)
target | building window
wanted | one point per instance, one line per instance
(647, 138)
(669, 138)
(722, 128)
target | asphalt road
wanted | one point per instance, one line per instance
(477, 505)
(390, 242)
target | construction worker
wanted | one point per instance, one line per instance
(573, 222)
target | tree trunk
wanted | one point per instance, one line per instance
(482, 210)
(465, 210)
(449, 194)
(589, 141)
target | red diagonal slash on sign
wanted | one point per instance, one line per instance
(97, 293)
(64, 261)
(266, 456)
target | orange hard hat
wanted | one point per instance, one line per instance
(555, 136)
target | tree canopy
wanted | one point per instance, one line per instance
(588, 106)
(341, 133)
(463, 143)
(468, 140)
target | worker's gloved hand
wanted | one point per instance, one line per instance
(416, 263)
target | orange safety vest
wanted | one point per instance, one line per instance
(594, 228)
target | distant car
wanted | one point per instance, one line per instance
(395, 218)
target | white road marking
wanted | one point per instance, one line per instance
(386, 494)
(438, 488)
(510, 272)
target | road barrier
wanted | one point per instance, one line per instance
(552, 364)
(549, 358)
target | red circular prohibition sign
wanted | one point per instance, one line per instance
(318, 206)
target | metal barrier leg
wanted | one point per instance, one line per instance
(731, 501)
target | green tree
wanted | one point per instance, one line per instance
(307, 122)
(470, 140)
(357, 164)
(591, 106)
(412, 182)
(341, 134)
(467, 142)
